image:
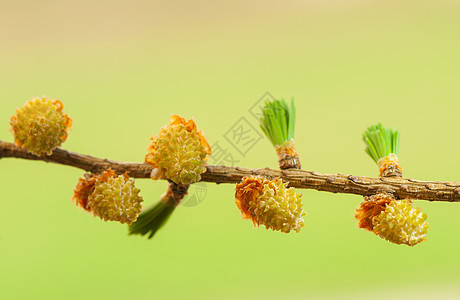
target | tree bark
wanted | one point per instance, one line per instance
(401, 188)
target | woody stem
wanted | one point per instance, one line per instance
(335, 183)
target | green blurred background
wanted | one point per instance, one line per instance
(122, 68)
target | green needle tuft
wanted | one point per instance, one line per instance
(151, 220)
(381, 141)
(278, 121)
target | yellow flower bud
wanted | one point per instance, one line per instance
(179, 152)
(396, 221)
(40, 126)
(110, 197)
(401, 223)
(270, 203)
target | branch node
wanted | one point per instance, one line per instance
(353, 178)
(331, 179)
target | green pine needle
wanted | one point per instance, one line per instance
(381, 141)
(152, 219)
(278, 121)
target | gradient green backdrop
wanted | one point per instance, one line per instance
(122, 67)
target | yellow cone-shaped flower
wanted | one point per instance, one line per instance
(179, 152)
(397, 221)
(40, 126)
(270, 203)
(401, 223)
(109, 197)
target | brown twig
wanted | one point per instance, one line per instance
(337, 183)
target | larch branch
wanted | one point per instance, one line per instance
(401, 188)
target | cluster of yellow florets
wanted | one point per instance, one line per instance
(401, 223)
(270, 203)
(40, 126)
(109, 197)
(179, 152)
(396, 221)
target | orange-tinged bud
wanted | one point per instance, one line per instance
(396, 221)
(40, 126)
(401, 223)
(270, 203)
(371, 207)
(288, 158)
(179, 152)
(389, 166)
(110, 197)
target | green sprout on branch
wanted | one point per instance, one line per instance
(278, 121)
(152, 219)
(381, 141)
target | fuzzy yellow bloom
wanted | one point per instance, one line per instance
(396, 221)
(270, 203)
(401, 223)
(179, 152)
(109, 197)
(40, 126)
